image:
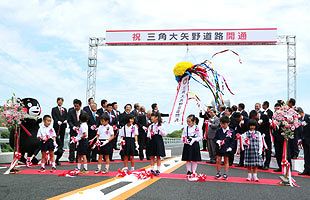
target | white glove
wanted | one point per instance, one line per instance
(75, 128)
(193, 140)
(137, 145)
(144, 128)
(65, 122)
(218, 142)
(55, 144)
(93, 127)
(241, 122)
(104, 143)
(229, 149)
(59, 123)
(304, 123)
(260, 122)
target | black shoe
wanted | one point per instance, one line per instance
(94, 160)
(265, 168)
(71, 161)
(34, 161)
(23, 160)
(218, 176)
(294, 157)
(112, 160)
(57, 163)
(240, 165)
(278, 170)
(304, 173)
(188, 173)
(212, 162)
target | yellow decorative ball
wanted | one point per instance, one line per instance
(181, 67)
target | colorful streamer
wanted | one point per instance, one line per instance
(209, 77)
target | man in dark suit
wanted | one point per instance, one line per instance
(59, 115)
(241, 108)
(278, 143)
(205, 126)
(116, 114)
(112, 122)
(88, 108)
(221, 113)
(135, 112)
(103, 104)
(93, 123)
(142, 126)
(241, 128)
(125, 114)
(293, 143)
(74, 124)
(304, 139)
(264, 128)
(155, 109)
(232, 125)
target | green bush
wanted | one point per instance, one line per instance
(4, 134)
(6, 148)
(175, 134)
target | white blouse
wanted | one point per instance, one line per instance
(83, 129)
(128, 131)
(105, 132)
(193, 131)
(156, 129)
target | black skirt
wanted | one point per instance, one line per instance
(82, 148)
(156, 146)
(191, 152)
(48, 145)
(106, 149)
(129, 148)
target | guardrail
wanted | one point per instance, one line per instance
(167, 140)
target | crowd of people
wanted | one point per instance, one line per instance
(94, 134)
(96, 131)
(221, 140)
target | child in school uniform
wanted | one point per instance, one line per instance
(47, 136)
(105, 135)
(253, 148)
(224, 139)
(129, 141)
(156, 146)
(191, 136)
(82, 144)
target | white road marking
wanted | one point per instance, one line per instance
(95, 193)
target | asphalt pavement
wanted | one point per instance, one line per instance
(37, 186)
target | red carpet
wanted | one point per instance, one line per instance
(294, 173)
(30, 171)
(68, 163)
(231, 179)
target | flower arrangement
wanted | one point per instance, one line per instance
(12, 113)
(286, 119)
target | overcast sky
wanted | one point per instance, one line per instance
(44, 49)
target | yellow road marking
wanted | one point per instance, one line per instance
(86, 187)
(145, 184)
(124, 195)
(82, 189)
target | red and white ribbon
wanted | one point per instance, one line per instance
(264, 142)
